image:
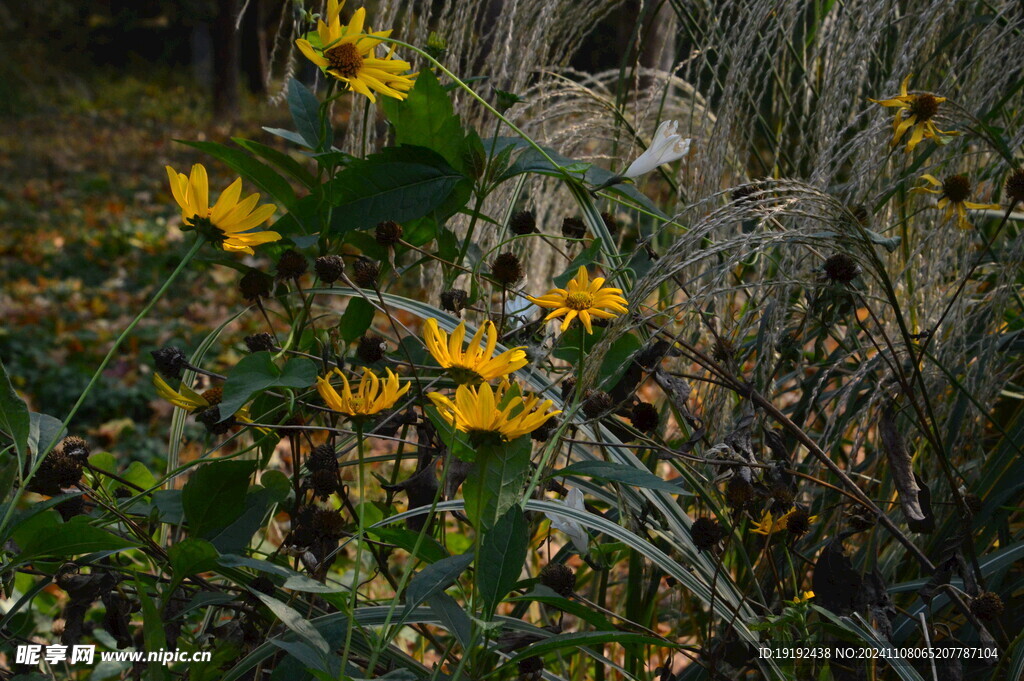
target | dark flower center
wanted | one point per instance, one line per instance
(345, 60)
(924, 107)
(957, 188)
(213, 396)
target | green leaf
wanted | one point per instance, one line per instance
(8, 473)
(305, 109)
(435, 578)
(617, 360)
(298, 624)
(585, 258)
(256, 373)
(14, 418)
(430, 550)
(495, 483)
(189, 557)
(260, 174)
(397, 184)
(138, 474)
(502, 555)
(617, 472)
(72, 538)
(356, 320)
(426, 118)
(152, 631)
(279, 159)
(292, 579)
(214, 496)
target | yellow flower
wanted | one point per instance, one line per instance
(953, 194)
(915, 111)
(582, 298)
(374, 395)
(803, 598)
(474, 364)
(348, 54)
(481, 410)
(188, 399)
(227, 222)
(768, 525)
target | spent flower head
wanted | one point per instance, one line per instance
(915, 113)
(953, 193)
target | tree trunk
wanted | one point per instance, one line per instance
(254, 47)
(226, 54)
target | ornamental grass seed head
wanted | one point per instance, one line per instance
(228, 222)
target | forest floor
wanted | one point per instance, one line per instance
(89, 230)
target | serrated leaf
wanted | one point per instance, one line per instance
(258, 372)
(72, 538)
(426, 118)
(495, 483)
(190, 556)
(214, 496)
(305, 110)
(502, 554)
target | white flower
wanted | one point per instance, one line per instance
(580, 538)
(666, 147)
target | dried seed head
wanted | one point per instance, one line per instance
(644, 417)
(782, 494)
(507, 269)
(742, 194)
(523, 222)
(1015, 186)
(861, 214)
(739, 492)
(860, 519)
(531, 668)
(291, 265)
(706, 533)
(957, 188)
(323, 483)
(259, 342)
(213, 395)
(263, 584)
(365, 272)
(388, 233)
(987, 606)
(170, 362)
(454, 300)
(573, 228)
(841, 268)
(371, 348)
(924, 107)
(254, 285)
(323, 458)
(568, 386)
(596, 403)
(123, 493)
(210, 417)
(723, 350)
(559, 578)
(328, 523)
(610, 223)
(69, 508)
(329, 268)
(799, 522)
(75, 448)
(544, 433)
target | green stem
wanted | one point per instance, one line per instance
(360, 472)
(41, 454)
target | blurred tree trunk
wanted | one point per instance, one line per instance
(226, 58)
(254, 47)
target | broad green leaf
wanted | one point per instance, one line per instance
(397, 184)
(72, 538)
(236, 537)
(585, 258)
(299, 625)
(429, 551)
(257, 172)
(495, 483)
(14, 418)
(292, 579)
(138, 474)
(214, 496)
(189, 557)
(152, 631)
(426, 118)
(617, 472)
(357, 318)
(305, 110)
(256, 373)
(8, 473)
(435, 578)
(502, 554)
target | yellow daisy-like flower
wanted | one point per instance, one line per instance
(769, 525)
(188, 399)
(348, 54)
(803, 598)
(483, 411)
(227, 222)
(915, 112)
(373, 395)
(953, 194)
(582, 298)
(475, 363)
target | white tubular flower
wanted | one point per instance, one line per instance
(666, 147)
(580, 538)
